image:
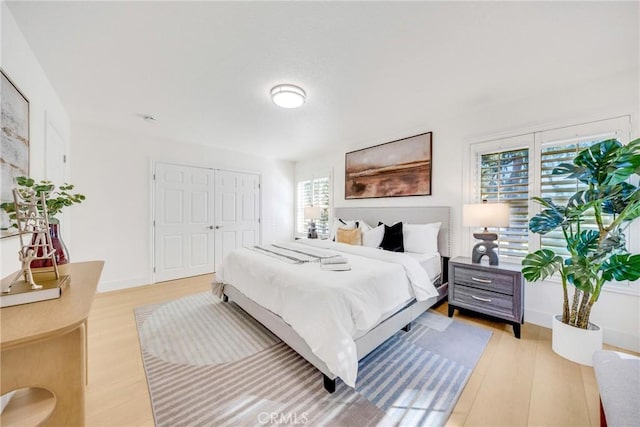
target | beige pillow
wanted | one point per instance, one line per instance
(352, 237)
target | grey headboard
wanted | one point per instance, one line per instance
(411, 215)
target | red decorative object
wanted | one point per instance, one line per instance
(62, 254)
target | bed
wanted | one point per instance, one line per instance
(329, 332)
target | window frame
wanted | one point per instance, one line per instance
(535, 140)
(297, 213)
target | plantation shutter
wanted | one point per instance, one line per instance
(314, 192)
(504, 177)
(561, 188)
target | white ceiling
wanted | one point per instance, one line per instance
(371, 70)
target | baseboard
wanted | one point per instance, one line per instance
(610, 336)
(116, 285)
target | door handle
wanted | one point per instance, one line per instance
(210, 227)
(218, 227)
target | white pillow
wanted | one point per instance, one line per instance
(421, 238)
(363, 226)
(340, 223)
(373, 237)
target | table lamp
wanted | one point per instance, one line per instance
(485, 215)
(312, 213)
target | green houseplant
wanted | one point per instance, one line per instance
(56, 199)
(597, 254)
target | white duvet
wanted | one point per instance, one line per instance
(327, 308)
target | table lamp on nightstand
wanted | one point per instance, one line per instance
(312, 213)
(485, 215)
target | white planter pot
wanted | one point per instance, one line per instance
(575, 344)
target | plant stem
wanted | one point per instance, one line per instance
(585, 309)
(574, 307)
(565, 301)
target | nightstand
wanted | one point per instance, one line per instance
(494, 290)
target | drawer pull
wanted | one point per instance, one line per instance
(475, 279)
(481, 299)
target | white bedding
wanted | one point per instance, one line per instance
(432, 263)
(328, 308)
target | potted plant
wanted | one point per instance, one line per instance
(597, 254)
(56, 199)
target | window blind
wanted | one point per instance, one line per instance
(314, 192)
(561, 188)
(504, 177)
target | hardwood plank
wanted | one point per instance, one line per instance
(516, 382)
(558, 396)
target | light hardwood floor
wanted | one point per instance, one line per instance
(516, 383)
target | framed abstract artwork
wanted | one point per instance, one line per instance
(394, 169)
(14, 145)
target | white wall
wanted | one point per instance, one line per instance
(616, 95)
(22, 67)
(113, 169)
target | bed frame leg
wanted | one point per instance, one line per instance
(225, 298)
(407, 327)
(329, 384)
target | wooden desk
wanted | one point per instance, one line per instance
(44, 344)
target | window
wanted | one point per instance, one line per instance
(313, 192)
(515, 169)
(560, 188)
(504, 177)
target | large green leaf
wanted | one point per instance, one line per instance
(626, 164)
(598, 159)
(572, 171)
(546, 221)
(615, 242)
(622, 267)
(582, 273)
(549, 219)
(584, 242)
(540, 264)
(617, 197)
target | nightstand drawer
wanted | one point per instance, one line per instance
(483, 301)
(489, 280)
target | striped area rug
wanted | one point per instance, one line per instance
(208, 363)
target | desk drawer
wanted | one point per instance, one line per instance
(488, 280)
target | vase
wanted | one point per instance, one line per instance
(575, 344)
(62, 255)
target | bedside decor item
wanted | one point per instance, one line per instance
(593, 223)
(394, 169)
(32, 222)
(288, 96)
(312, 213)
(14, 145)
(22, 292)
(485, 215)
(56, 199)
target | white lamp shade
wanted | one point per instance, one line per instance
(485, 215)
(288, 96)
(312, 212)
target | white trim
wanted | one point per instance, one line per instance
(116, 285)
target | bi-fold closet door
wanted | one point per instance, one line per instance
(200, 215)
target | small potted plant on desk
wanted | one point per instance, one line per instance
(597, 254)
(57, 199)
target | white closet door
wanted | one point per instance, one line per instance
(237, 210)
(184, 221)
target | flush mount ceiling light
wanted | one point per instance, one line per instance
(288, 96)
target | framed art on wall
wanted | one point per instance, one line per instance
(14, 145)
(394, 169)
